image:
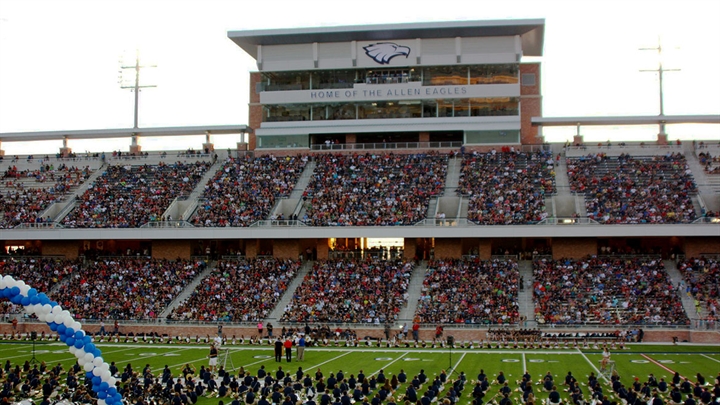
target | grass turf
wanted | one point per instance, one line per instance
(635, 360)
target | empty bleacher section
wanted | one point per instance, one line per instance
(128, 196)
(470, 292)
(607, 291)
(29, 189)
(371, 291)
(507, 187)
(125, 288)
(373, 190)
(244, 190)
(702, 278)
(627, 189)
(243, 290)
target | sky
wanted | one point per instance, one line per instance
(59, 61)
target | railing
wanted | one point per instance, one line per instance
(39, 225)
(168, 224)
(278, 223)
(385, 145)
(707, 220)
(568, 221)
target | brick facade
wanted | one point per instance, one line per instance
(694, 247)
(68, 248)
(448, 248)
(530, 105)
(171, 249)
(254, 110)
(286, 249)
(575, 248)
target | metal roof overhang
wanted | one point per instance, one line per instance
(637, 120)
(531, 32)
(122, 133)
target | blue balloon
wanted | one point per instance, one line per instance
(34, 300)
(32, 292)
(104, 386)
(70, 341)
(96, 352)
(53, 303)
(90, 348)
(16, 299)
(53, 326)
(102, 394)
(15, 290)
(89, 374)
(87, 339)
(79, 335)
(96, 380)
(63, 338)
(43, 298)
(117, 398)
(112, 391)
(69, 332)
(25, 301)
(61, 328)
(79, 344)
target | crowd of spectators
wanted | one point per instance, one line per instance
(373, 190)
(128, 196)
(507, 187)
(243, 290)
(605, 290)
(470, 291)
(125, 289)
(351, 291)
(23, 201)
(628, 190)
(245, 190)
(709, 162)
(702, 278)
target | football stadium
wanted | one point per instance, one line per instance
(392, 221)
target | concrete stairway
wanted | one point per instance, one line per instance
(189, 289)
(304, 180)
(688, 302)
(562, 182)
(413, 294)
(277, 313)
(525, 298)
(453, 176)
(56, 211)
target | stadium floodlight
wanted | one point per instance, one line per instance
(133, 84)
(660, 70)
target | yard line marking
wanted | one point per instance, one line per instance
(456, 364)
(592, 365)
(524, 364)
(708, 357)
(328, 361)
(660, 365)
(400, 357)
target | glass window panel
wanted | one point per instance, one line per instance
(282, 141)
(509, 136)
(445, 76)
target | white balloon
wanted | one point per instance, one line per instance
(104, 366)
(76, 325)
(3, 285)
(89, 357)
(49, 318)
(10, 282)
(97, 361)
(57, 310)
(104, 374)
(37, 308)
(67, 320)
(79, 352)
(101, 402)
(47, 308)
(111, 381)
(96, 371)
(81, 361)
(24, 288)
(65, 312)
(73, 349)
(88, 366)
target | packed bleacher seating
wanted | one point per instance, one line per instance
(373, 190)
(126, 289)
(507, 187)
(243, 290)
(709, 162)
(702, 278)
(245, 190)
(473, 292)
(631, 190)
(26, 193)
(128, 196)
(606, 290)
(351, 291)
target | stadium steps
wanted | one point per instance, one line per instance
(525, 298)
(452, 180)
(708, 185)
(687, 301)
(562, 182)
(60, 210)
(407, 314)
(184, 209)
(277, 313)
(303, 181)
(189, 289)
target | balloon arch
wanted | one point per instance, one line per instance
(69, 331)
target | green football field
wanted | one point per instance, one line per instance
(635, 360)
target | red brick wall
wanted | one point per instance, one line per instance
(448, 248)
(286, 249)
(530, 105)
(573, 247)
(171, 249)
(410, 248)
(68, 248)
(255, 109)
(694, 247)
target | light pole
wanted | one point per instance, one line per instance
(660, 70)
(135, 84)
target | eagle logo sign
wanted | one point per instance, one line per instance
(382, 52)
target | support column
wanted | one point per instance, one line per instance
(2, 152)
(208, 147)
(662, 138)
(134, 147)
(65, 150)
(577, 139)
